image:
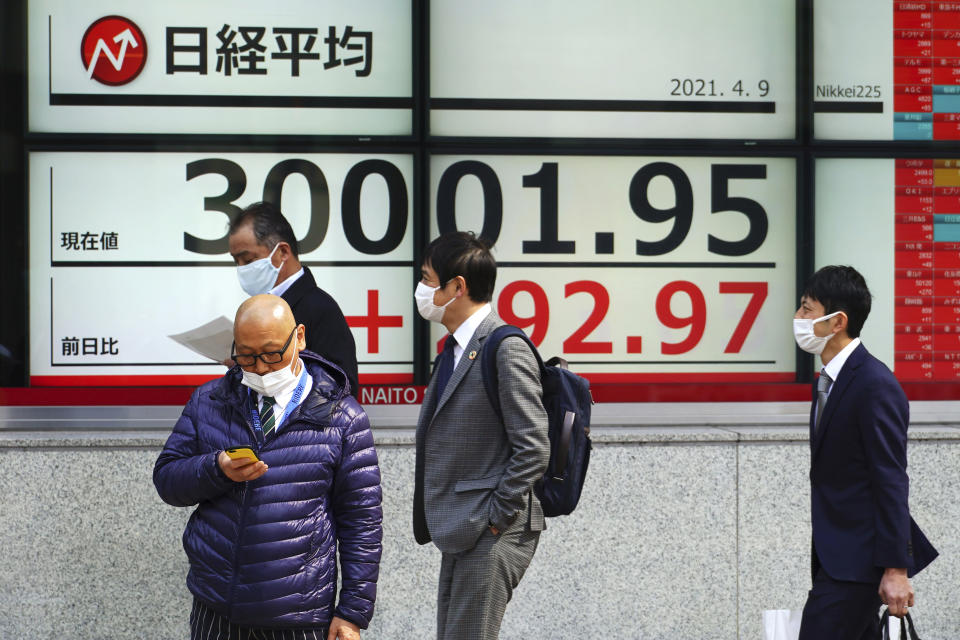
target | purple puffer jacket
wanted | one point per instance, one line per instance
(264, 552)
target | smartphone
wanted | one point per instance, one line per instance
(242, 452)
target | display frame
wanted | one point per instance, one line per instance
(159, 141)
(266, 149)
(803, 40)
(916, 389)
(804, 148)
(563, 149)
(840, 144)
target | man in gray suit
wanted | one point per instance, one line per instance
(475, 472)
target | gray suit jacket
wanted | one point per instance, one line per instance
(472, 469)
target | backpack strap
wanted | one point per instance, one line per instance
(488, 362)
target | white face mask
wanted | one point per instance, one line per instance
(258, 276)
(424, 297)
(273, 383)
(806, 338)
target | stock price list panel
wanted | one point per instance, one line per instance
(613, 69)
(886, 70)
(127, 249)
(927, 265)
(897, 221)
(636, 269)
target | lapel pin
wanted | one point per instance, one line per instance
(473, 355)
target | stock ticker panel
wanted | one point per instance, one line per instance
(637, 268)
(127, 249)
(186, 67)
(927, 315)
(614, 69)
(886, 70)
(897, 220)
(926, 70)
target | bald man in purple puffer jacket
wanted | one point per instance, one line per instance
(264, 538)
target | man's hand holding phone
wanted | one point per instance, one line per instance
(242, 468)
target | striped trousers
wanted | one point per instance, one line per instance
(207, 624)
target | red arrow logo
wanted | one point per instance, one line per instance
(108, 63)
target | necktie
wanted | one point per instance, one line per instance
(823, 386)
(444, 365)
(267, 420)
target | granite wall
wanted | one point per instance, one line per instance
(693, 521)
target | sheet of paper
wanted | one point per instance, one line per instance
(211, 340)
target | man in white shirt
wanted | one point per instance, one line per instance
(865, 545)
(475, 473)
(266, 252)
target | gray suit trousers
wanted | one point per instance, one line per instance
(477, 584)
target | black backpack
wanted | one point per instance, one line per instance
(566, 397)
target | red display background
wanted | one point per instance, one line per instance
(927, 284)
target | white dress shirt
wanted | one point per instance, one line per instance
(465, 331)
(836, 364)
(281, 288)
(283, 398)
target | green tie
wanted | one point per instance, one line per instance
(267, 420)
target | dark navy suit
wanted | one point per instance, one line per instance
(327, 332)
(858, 489)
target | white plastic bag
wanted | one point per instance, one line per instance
(782, 624)
(893, 628)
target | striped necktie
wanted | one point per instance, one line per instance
(267, 420)
(823, 387)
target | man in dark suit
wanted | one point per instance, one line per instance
(865, 544)
(475, 472)
(266, 253)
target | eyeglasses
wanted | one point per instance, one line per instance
(269, 357)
